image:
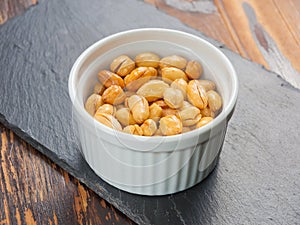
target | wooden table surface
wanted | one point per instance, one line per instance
(266, 32)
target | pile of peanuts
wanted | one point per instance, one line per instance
(153, 96)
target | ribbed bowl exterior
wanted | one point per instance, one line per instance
(150, 172)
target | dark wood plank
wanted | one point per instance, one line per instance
(202, 16)
(270, 33)
(266, 32)
(35, 191)
(11, 8)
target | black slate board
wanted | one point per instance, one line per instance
(257, 180)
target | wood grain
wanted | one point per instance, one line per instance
(270, 35)
(210, 23)
(35, 191)
(266, 32)
(11, 8)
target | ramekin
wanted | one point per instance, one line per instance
(156, 165)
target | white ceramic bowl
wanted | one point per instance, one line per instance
(151, 165)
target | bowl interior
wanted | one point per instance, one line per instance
(88, 77)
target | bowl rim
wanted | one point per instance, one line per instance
(223, 116)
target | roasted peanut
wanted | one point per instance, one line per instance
(139, 108)
(122, 65)
(170, 125)
(207, 84)
(181, 85)
(180, 101)
(196, 94)
(190, 116)
(155, 112)
(147, 59)
(133, 129)
(129, 129)
(99, 88)
(108, 78)
(108, 120)
(162, 104)
(206, 112)
(173, 61)
(169, 111)
(169, 74)
(173, 98)
(124, 116)
(192, 122)
(193, 70)
(106, 108)
(185, 104)
(93, 103)
(189, 113)
(153, 90)
(149, 127)
(204, 121)
(214, 100)
(138, 77)
(114, 95)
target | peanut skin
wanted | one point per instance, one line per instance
(214, 100)
(193, 70)
(139, 108)
(147, 59)
(138, 77)
(93, 103)
(122, 65)
(170, 125)
(196, 94)
(108, 78)
(173, 61)
(108, 120)
(114, 95)
(149, 127)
